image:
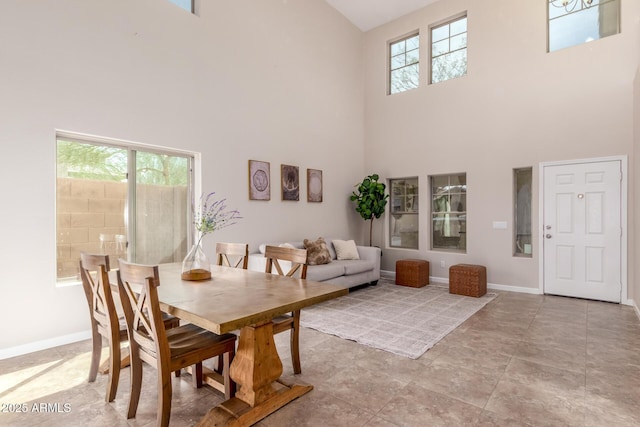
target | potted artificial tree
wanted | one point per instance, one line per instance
(370, 199)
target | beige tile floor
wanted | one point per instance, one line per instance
(522, 360)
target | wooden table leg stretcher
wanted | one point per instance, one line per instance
(256, 368)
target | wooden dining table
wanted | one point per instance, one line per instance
(237, 299)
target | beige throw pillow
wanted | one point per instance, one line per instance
(346, 249)
(317, 252)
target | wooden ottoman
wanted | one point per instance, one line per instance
(468, 279)
(412, 272)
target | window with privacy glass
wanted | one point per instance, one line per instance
(403, 221)
(120, 201)
(449, 50)
(404, 61)
(449, 212)
(573, 22)
(185, 4)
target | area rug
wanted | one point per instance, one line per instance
(398, 319)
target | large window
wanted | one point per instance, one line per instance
(573, 22)
(121, 201)
(404, 64)
(449, 50)
(403, 222)
(449, 212)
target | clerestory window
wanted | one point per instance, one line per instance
(187, 5)
(449, 50)
(573, 22)
(404, 64)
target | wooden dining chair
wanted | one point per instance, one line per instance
(106, 321)
(288, 322)
(166, 350)
(233, 254)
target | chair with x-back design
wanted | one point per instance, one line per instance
(166, 350)
(289, 322)
(233, 254)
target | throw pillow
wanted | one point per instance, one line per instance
(317, 252)
(346, 249)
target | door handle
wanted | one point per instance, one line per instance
(548, 236)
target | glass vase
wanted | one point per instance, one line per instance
(196, 265)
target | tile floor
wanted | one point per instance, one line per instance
(522, 360)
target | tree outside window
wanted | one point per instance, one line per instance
(404, 59)
(449, 50)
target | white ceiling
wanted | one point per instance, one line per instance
(368, 14)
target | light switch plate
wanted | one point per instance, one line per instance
(500, 225)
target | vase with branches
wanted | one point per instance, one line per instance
(210, 216)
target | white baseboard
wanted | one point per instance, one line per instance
(445, 280)
(633, 304)
(19, 350)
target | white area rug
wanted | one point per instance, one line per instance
(399, 319)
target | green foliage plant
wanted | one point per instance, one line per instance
(370, 200)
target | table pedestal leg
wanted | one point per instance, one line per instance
(255, 368)
(256, 364)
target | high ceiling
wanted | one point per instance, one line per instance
(368, 14)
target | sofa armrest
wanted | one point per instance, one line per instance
(372, 253)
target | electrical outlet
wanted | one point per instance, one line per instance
(442, 264)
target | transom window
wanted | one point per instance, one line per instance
(404, 60)
(121, 201)
(573, 22)
(449, 50)
(449, 212)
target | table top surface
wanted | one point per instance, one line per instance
(235, 298)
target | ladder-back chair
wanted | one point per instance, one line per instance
(288, 322)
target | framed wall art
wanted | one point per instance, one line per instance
(314, 185)
(290, 178)
(259, 180)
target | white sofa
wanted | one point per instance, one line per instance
(345, 273)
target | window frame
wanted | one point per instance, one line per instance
(414, 211)
(192, 9)
(433, 213)
(390, 57)
(575, 12)
(519, 250)
(440, 24)
(130, 221)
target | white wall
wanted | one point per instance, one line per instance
(517, 106)
(265, 80)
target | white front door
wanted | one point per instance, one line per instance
(582, 232)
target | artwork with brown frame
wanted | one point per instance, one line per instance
(259, 180)
(290, 180)
(314, 185)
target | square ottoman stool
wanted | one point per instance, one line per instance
(412, 272)
(468, 279)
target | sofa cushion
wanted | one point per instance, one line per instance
(346, 249)
(356, 266)
(323, 272)
(317, 251)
